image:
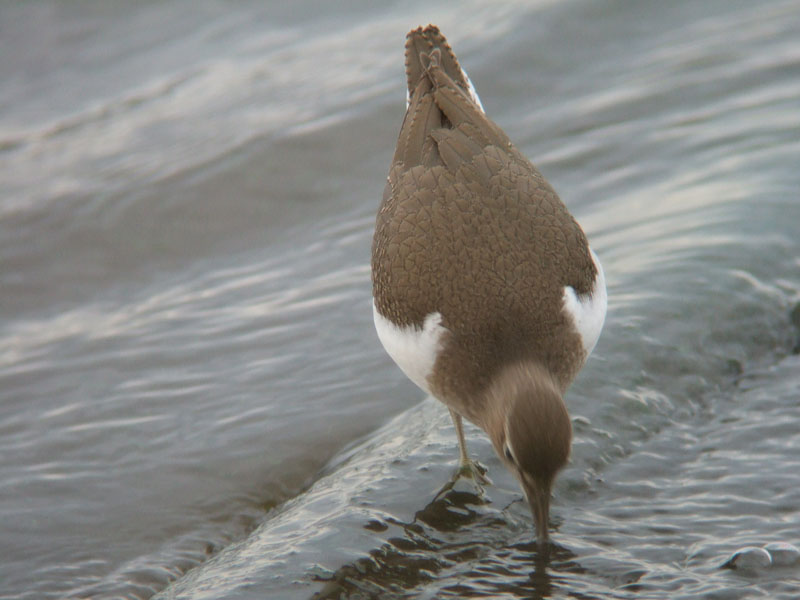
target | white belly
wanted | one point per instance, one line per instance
(413, 349)
(589, 312)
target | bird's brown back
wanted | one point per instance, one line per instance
(470, 229)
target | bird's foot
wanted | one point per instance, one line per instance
(471, 469)
(470, 474)
(468, 470)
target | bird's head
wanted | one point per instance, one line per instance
(531, 432)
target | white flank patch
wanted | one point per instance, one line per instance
(413, 349)
(589, 312)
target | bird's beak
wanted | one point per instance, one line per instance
(538, 496)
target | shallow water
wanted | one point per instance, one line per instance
(193, 402)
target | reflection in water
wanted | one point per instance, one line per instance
(450, 534)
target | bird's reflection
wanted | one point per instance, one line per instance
(457, 530)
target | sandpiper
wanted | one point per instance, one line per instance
(485, 291)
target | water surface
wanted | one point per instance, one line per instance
(192, 400)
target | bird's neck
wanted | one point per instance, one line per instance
(525, 380)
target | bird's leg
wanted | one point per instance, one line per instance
(466, 466)
(462, 442)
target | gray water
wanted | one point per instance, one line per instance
(193, 403)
